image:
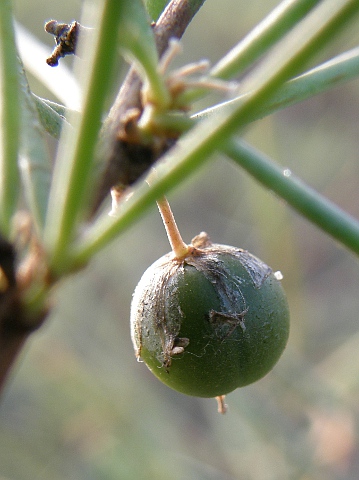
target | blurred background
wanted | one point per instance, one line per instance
(79, 406)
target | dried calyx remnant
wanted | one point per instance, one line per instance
(210, 322)
(66, 37)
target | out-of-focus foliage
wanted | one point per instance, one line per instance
(80, 406)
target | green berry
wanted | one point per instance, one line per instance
(210, 323)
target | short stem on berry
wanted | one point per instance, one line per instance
(180, 249)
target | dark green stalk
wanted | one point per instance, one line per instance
(305, 200)
(9, 119)
(271, 29)
(328, 75)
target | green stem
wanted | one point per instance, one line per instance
(138, 39)
(9, 119)
(74, 164)
(309, 203)
(328, 75)
(272, 28)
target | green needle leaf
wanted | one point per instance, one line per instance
(330, 74)
(271, 29)
(137, 38)
(262, 37)
(305, 200)
(9, 119)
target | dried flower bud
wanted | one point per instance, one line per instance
(210, 323)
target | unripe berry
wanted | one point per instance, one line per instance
(211, 322)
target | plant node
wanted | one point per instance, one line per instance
(178, 83)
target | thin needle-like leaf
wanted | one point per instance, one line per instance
(258, 41)
(9, 119)
(330, 74)
(262, 37)
(305, 200)
(138, 40)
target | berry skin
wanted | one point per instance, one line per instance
(210, 323)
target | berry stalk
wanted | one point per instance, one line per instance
(179, 247)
